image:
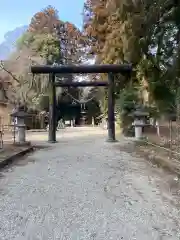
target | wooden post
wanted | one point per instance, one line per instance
(52, 109)
(111, 118)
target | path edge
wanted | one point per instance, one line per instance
(172, 166)
(12, 158)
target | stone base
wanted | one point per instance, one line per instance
(22, 143)
(110, 140)
(143, 138)
(50, 141)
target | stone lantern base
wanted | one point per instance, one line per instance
(20, 116)
(21, 138)
(138, 126)
(22, 144)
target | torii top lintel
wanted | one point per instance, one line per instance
(65, 69)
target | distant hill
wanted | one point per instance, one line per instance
(8, 46)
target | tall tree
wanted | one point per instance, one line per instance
(140, 32)
(48, 40)
(144, 33)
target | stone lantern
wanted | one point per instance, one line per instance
(139, 116)
(20, 115)
(83, 112)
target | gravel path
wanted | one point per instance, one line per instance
(85, 188)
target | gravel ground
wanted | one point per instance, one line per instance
(85, 188)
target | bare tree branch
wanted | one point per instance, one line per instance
(9, 72)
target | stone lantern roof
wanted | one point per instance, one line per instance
(20, 114)
(139, 112)
(172, 116)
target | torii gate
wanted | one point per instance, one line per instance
(124, 69)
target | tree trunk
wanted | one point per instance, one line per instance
(145, 91)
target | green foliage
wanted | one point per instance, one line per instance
(125, 105)
(25, 40)
(47, 46)
(41, 44)
(128, 99)
(145, 33)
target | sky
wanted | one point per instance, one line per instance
(19, 12)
